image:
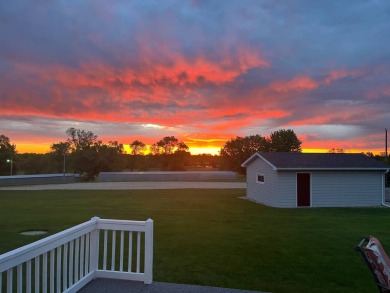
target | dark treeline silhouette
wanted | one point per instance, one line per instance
(83, 153)
(31, 163)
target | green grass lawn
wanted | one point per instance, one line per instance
(210, 237)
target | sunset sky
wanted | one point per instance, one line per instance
(203, 71)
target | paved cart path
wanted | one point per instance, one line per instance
(130, 185)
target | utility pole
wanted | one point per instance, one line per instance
(63, 178)
(386, 143)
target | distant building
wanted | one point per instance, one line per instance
(166, 176)
(315, 180)
(39, 179)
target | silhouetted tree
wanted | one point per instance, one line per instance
(91, 156)
(99, 157)
(137, 147)
(336, 151)
(113, 144)
(172, 153)
(284, 140)
(7, 152)
(154, 149)
(238, 149)
(80, 139)
(30, 164)
(169, 144)
(59, 151)
(177, 161)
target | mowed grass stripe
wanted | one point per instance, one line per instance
(210, 237)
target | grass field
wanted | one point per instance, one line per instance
(210, 237)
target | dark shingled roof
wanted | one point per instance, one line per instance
(319, 161)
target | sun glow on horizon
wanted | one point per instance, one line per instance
(194, 149)
(43, 148)
(37, 148)
(350, 151)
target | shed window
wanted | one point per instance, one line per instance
(260, 178)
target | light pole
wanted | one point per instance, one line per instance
(63, 178)
(11, 162)
(65, 153)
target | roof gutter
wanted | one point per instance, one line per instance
(384, 189)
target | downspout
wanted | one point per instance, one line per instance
(384, 189)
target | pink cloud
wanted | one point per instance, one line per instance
(297, 84)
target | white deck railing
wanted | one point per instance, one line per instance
(68, 260)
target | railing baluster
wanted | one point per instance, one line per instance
(44, 273)
(86, 262)
(19, 283)
(37, 270)
(105, 251)
(121, 252)
(58, 281)
(52, 271)
(82, 257)
(148, 260)
(9, 280)
(94, 250)
(76, 260)
(113, 250)
(138, 250)
(71, 260)
(28, 276)
(130, 252)
(65, 267)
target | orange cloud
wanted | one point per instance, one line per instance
(165, 90)
(169, 70)
(206, 139)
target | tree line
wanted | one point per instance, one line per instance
(83, 153)
(89, 156)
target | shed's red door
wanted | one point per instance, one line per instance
(303, 189)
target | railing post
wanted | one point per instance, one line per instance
(94, 247)
(148, 251)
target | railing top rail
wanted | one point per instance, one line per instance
(104, 224)
(121, 222)
(29, 251)
(47, 240)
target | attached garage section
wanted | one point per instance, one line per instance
(315, 180)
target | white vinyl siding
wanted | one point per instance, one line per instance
(265, 192)
(287, 189)
(346, 188)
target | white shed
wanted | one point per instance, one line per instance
(315, 180)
